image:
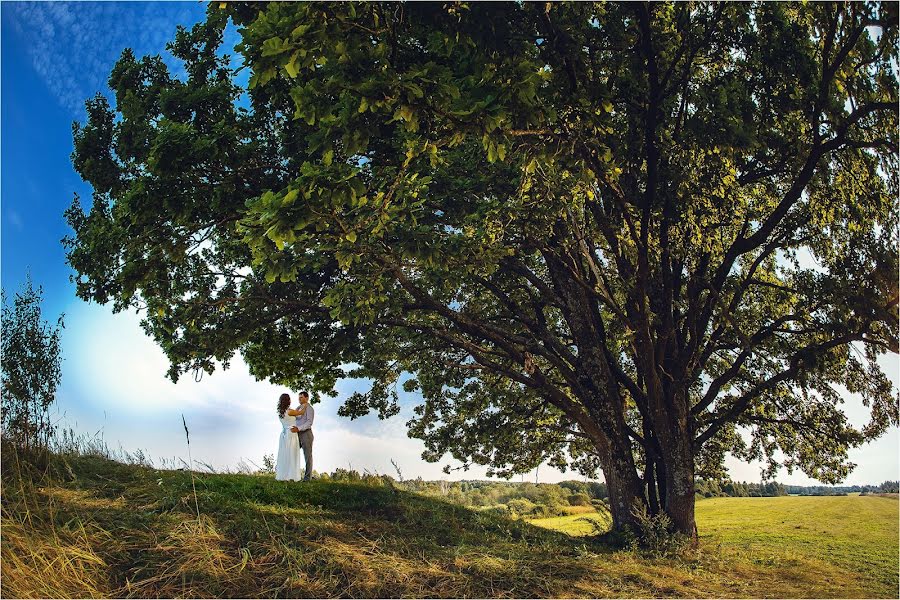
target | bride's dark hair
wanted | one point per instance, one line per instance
(284, 401)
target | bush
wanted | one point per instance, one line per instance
(346, 475)
(654, 534)
(579, 499)
(500, 510)
(520, 507)
(354, 476)
(600, 505)
(268, 464)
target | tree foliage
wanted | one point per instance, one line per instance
(31, 371)
(611, 236)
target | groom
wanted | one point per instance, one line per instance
(303, 428)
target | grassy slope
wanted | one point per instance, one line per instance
(116, 530)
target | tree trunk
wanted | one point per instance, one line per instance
(680, 486)
(625, 490)
(625, 487)
(661, 481)
(650, 486)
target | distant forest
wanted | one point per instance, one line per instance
(715, 489)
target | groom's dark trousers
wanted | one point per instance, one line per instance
(306, 442)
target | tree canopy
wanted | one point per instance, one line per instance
(623, 236)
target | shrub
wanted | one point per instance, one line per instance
(268, 464)
(345, 475)
(654, 534)
(500, 510)
(579, 499)
(600, 505)
(520, 507)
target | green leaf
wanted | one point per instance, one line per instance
(358, 187)
(291, 66)
(273, 46)
(351, 236)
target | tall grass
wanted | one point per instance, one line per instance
(93, 527)
(42, 557)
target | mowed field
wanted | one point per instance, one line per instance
(821, 546)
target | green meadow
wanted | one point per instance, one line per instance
(98, 528)
(810, 545)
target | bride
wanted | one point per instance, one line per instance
(287, 466)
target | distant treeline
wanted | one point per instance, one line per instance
(715, 489)
(708, 488)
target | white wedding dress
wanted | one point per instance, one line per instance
(288, 466)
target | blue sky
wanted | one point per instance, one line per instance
(54, 56)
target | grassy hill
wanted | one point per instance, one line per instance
(107, 529)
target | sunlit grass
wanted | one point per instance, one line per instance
(582, 524)
(856, 534)
(818, 545)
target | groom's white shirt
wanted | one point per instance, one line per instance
(305, 421)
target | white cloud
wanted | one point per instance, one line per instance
(74, 45)
(113, 350)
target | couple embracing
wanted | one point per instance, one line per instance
(296, 433)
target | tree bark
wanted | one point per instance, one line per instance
(680, 486)
(624, 487)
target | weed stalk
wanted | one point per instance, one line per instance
(187, 436)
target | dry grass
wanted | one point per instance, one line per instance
(103, 529)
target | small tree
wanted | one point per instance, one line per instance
(31, 366)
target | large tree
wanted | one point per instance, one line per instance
(632, 237)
